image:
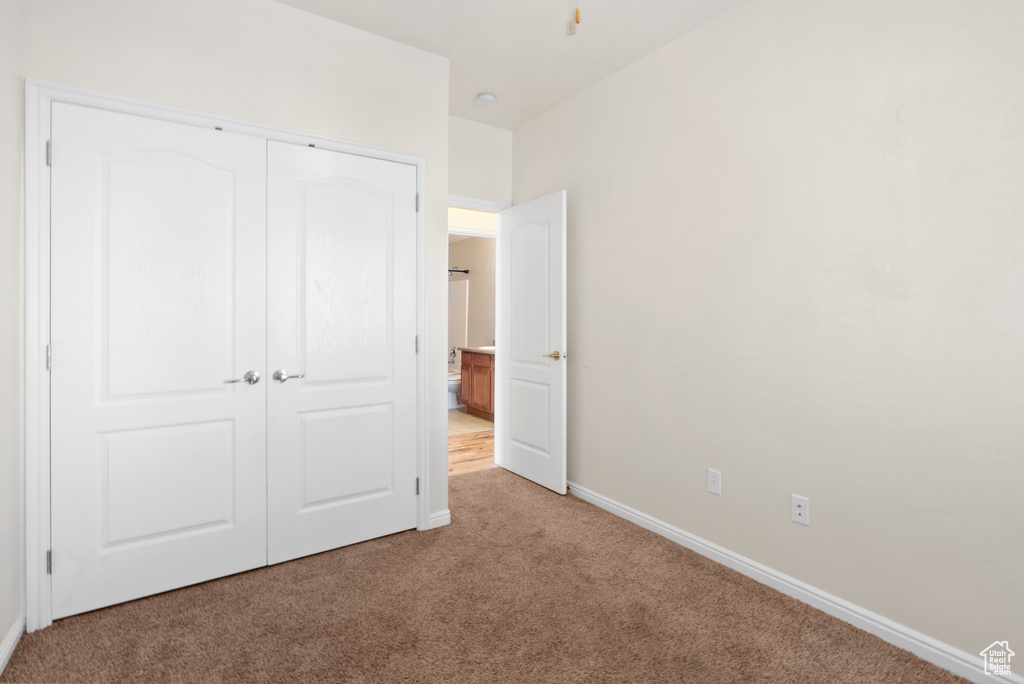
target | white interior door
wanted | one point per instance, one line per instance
(158, 298)
(342, 325)
(530, 368)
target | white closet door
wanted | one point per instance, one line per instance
(342, 326)
(158, 299)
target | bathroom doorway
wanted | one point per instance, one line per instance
(471, 338)
(517, 383)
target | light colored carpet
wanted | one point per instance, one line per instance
(461, 423)
(523, 586)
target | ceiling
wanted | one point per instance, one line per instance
(518, 49)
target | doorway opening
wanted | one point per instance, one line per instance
(471, 339)
(513, 373)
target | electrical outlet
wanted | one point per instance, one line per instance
(715, 482)
(801, 510)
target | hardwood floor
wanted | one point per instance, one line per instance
(459, 423)
(470, 451)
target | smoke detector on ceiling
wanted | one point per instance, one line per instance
(485, 99)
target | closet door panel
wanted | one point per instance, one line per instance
(341, 313)
(345, 261)
(158, 298)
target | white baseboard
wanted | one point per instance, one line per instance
(10, 641)
(923, 646)
(439, 519)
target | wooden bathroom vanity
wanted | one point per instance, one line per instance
(478, 382)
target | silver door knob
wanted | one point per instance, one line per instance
(282, 376)
(250, 377)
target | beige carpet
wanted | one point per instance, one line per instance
(523, 586)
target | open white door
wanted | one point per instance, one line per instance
(530, 368)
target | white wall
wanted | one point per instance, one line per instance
(796, 254)
(458, 315)
(12, 116)
(477, 255)
(480, 160)
(271, 64)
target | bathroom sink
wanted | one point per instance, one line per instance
(486, 348)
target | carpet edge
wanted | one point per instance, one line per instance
(927, 648)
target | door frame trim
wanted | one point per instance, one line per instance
(490, 206)
(39, 95)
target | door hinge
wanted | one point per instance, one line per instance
(49, 153)
(49, 562)
(49, 356)
(417, 344)
(417, 202)
(417, 486)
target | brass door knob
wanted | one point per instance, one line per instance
(554, 355)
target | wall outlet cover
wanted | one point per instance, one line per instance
(715, 481)
(801, 510)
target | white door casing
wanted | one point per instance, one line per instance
(530, 326)
(342, 313)
(158, 298)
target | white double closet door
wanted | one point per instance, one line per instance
(182, 259)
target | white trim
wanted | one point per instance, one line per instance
(500, 425)
(440, 519)
(457, 202)
(469, 232)
(37, 336)
(923, 646)
(39, 95)
(460, 202)
(10, 642)
(422, 354)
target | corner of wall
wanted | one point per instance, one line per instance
(479, 160)
(12, 134)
